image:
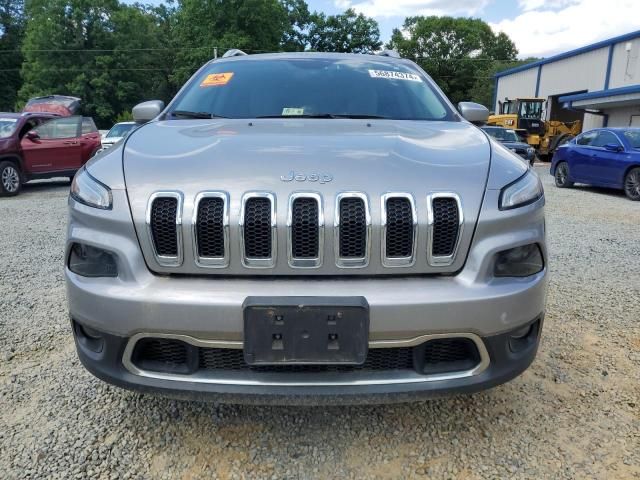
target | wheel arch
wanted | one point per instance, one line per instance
(17, 159)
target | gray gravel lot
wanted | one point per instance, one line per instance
(574, 414)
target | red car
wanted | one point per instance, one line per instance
(35, 145)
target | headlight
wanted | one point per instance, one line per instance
(519, 261)
(91, 261)
(89, 191)
(531, 151)
(527, 189)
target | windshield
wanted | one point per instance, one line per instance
(503, 135)
(119, 130)
(633, 137)
(307, 87)
(7, 126)
(530, 109)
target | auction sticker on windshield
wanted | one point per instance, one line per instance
(390, 74)
(216, 79)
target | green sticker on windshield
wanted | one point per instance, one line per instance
(292, 111)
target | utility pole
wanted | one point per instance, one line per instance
(215, 52)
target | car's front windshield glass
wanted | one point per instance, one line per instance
(7, 126)
(119, 130)
(633, 137)
(503, 135)
(311, 87)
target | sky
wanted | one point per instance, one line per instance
(539, 28)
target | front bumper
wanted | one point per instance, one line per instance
(503, 364)
(209, 308)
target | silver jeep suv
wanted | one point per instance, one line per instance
(307, 227)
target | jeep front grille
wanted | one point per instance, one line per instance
(211, 229)
(220, 233)
(399, 229)
(258, 230)
(164, 221)
(352, 230)
(305, 226)
(445, 227)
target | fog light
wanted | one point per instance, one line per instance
(92, 262)
(521, 339)
(89, 338)
(519, 262)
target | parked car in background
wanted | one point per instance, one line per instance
(43, 145)
(117, 133)
(510, 139)
(604, 157)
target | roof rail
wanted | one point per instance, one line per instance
(389, 53)
(234, 52)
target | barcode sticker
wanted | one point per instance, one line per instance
(391, 75)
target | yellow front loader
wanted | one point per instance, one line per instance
(524, 115)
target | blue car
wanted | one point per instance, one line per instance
(604, 157)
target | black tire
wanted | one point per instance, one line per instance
(561, 175)
(10, 179)
(632, 184)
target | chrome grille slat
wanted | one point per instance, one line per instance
(352, 230)
(164, 227)
(258, 230)
(399, 229)
(211, 229)
(211, 232)
(305, 230)
(445, 228)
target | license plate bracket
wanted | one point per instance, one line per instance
(306, 330)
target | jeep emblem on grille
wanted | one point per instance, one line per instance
(312, 177)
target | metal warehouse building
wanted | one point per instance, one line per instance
(598, 84)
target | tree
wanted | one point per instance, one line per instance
(250, 25)
(454, 51)
(347, 32)
(109, 54)
(482, 90)
(11, 34)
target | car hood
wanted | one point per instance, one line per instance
(241, 155)
(327, 156)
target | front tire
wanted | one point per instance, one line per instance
(632, 184)
(10, 179)
(562, 175)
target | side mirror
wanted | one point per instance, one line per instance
(473, 112)
(32, 135)
(613, 147)
(146, 111)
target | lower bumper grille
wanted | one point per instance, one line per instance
(432, 357)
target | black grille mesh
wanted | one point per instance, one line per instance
(445, 226)
(353, 228)
(210, 227)
(399, 241)
(158, 353)
(304, 228)
(163, 226)
(446, 350)
(257, 228)
(434, 356)
(377, 359)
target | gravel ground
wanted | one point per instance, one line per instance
(574, 414)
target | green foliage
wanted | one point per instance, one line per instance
(114, 54)
(348, 32)
(107, 53)
(11, 32)
(482, 90)
(456, 52)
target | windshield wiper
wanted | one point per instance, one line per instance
(324, 115)
(188, 114)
